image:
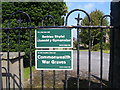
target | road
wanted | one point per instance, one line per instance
(95, 63)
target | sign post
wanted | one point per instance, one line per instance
(53, 38)
(54, 59)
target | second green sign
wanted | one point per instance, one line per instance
(54, 59)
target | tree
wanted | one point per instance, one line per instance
(36, 11)
(95, 33)
(74, 43)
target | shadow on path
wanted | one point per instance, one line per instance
(72, 83)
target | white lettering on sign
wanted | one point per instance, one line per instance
(58, 62)
(45, 62)
(61, 36)
(54, 57)
(46, 52)
(48, 36)
(53, 62)
(61, 40)
(53, 37)
(44, 40)
(43, 31)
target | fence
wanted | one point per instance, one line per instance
(78, 27)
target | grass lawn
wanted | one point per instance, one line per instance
(27, 72)
(104, 51)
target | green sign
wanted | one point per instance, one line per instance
(54, 59)
(53, 38)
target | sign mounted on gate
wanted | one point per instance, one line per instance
(54, 59)
(53, 38)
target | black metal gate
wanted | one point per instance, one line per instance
(30, 28)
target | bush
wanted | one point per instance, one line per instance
(96, 47)
(106, 46)
(37, 11)
(75, 44)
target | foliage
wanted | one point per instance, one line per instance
(96, 47)
(106, 46)
(106, 51)
(27, 72)
(75, 44)
(36, 11)
(95, 33)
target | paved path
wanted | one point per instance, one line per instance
(95, 63)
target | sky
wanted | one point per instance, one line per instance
(88, 7)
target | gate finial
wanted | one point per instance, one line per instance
(78, 19)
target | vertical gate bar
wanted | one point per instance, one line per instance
(101, 57)
(19, 21)
(53, 79)
(42, 74)
(101, 52)
(66, 83)
(78, 52)
(89, 59)
(19, 59)
(8, 63)
(30, 59)
(101, 48)
(78, 47)
(78, 37)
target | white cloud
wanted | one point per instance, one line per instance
(89, 6)
(69, 4)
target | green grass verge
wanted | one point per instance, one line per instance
(27, 72)
(104, 51)
(84, 50)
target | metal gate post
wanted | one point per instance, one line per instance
(114, 73)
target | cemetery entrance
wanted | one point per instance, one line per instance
(51, 48)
